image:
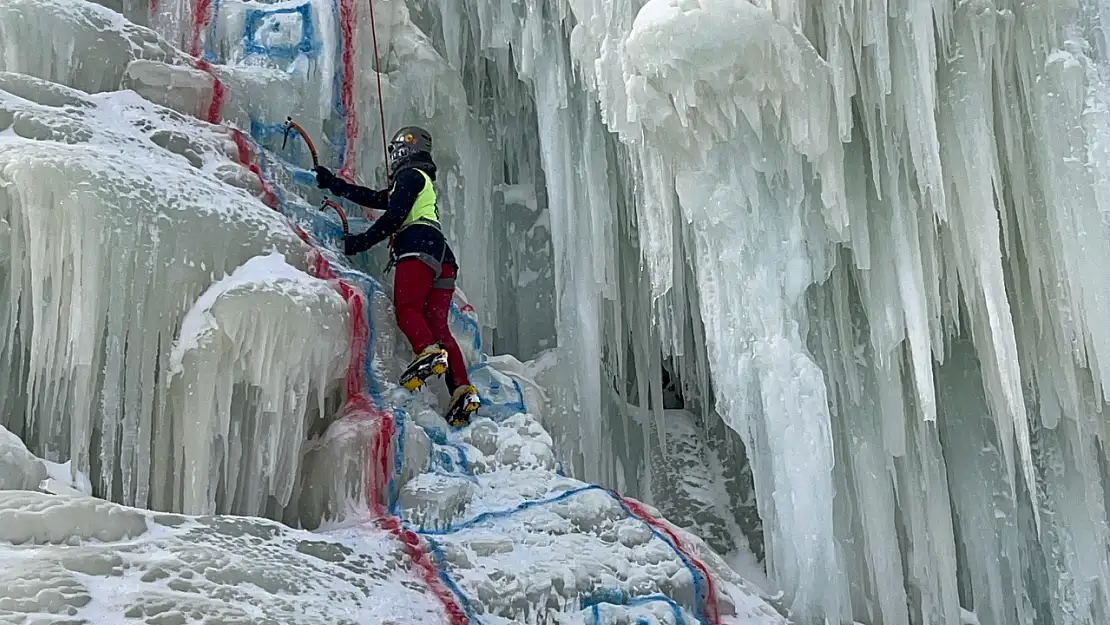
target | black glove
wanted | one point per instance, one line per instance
(324, 178)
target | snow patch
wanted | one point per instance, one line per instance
(62, 476)
(516, 540)
(19, 468)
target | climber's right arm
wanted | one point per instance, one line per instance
(363, 196)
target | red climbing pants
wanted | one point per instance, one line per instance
(422, 313)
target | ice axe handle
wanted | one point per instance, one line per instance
(292, 125)
(327, 203)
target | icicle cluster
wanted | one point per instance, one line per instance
(101, 263)
(879, 227)
(252, 351)
(869, 237)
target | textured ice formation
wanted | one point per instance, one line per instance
(19, 468)
(519, 543)
(80, 44)
(844, 258)
(91, 560)
(210, 358)
(825, 214)
(112, 238)
(283, 334)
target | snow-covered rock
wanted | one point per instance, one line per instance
(517, 541)
(69, 558)
(19, 468)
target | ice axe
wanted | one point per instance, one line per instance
(327, 203)
(292, 125)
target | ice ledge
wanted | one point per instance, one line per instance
(516, 540)
(743, 64)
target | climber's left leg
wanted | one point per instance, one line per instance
(411, 286)
(464, 400)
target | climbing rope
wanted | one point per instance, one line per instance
(381, 114)
(381, 100)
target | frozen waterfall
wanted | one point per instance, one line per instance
(824, 278)
(868, 237)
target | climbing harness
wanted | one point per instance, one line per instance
(328, 202)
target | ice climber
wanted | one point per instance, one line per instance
(426, 267)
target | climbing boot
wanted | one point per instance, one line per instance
(431, 361)
(463, 403)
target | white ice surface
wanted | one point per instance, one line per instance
(19, 468)
(69, 558)
(868, 236)
(267, 326)
(77, 557)
(121, 216)
(875, 231)
(203, 361)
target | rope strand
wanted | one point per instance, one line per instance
(381, 101)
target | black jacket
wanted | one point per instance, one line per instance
(418, 238)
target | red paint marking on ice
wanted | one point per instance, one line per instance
(711, 609)
(215, 107)
(414, 549)
(347, 22)
(382, 449)
(360, 333)
(243, 149)
(202, 15)
(321, 266)
(359, 406)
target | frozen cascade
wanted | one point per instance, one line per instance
(227, 340)
(855, 186)
(181, 346)
(103, 264)
(856, 243)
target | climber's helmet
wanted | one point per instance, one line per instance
(407, 143)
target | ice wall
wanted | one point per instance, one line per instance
(19, 468)
(123, 352)
(315, 60)
(866, 237)
(869, 236)
(190, 362)
(102, 264)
